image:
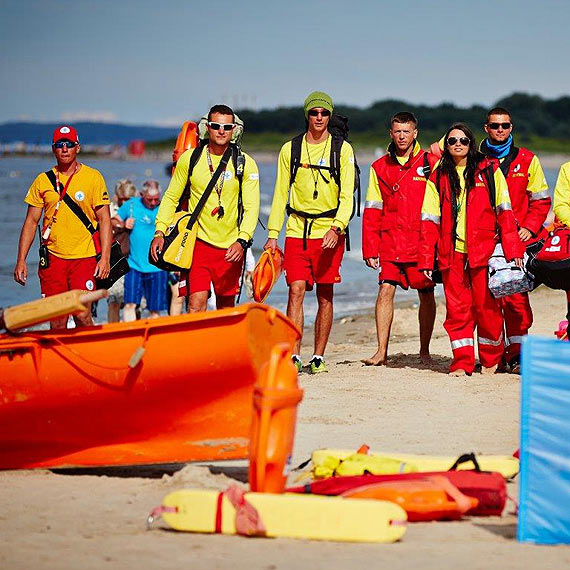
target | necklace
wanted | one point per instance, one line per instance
(315, 176)
(219, 209)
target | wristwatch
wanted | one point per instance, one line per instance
(158, 233)
(244, 244)
(336, 230)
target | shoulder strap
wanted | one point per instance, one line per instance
(509, 159)
(295, 162)
(427, 167)
(72, 205)
(194, 158)
(238, 160)
(336, 146)
(204, 198)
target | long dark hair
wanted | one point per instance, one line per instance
(447, 163)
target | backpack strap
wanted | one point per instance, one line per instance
(295, 162)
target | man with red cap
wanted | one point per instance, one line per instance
(70, 195)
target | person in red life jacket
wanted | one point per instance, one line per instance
(459, 219)
(65, 194)
(531, 203)
(391, 231)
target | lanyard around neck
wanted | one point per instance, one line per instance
(62, 194)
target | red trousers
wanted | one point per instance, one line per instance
(518, 319)
(469, 305)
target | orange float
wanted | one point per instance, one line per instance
(172, 389)
(266, 273)
(275, 401)
(429, 499)
(187, 138)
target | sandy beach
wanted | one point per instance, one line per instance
(91, 521)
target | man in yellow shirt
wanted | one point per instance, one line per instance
(69, 262)
(319, 202)
(226, 222)
(562, 195)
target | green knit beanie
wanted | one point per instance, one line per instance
(318, 99)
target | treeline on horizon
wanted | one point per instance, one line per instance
(532, 115)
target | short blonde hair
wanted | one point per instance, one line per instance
(125, 189)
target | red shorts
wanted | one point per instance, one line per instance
(209, 266)
(314, 264)
(405, 275)
(66, 274)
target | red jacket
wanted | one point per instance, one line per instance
(529, 207)
(391, 219)
(483, 226)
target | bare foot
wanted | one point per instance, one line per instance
(458, 372)
(489, 370)
(426, 358)
(375, 360)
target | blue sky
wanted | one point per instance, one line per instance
(163, 62)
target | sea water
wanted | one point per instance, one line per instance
(356, 293)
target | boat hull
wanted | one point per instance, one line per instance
(70, 399)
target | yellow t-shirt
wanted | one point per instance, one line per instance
(431, 206)
(221, 232)
(69, 238)
(562, 194)
(302, 194)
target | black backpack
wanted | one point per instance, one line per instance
(338, 128)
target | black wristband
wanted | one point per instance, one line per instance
(244, 244)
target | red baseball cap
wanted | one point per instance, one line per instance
(65, 132)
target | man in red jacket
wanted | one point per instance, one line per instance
(391, 231)
(531, 203)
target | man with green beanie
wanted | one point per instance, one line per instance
(314, 186)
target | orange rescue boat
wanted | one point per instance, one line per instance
(165, 390)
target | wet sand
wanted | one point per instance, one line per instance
(52, 520)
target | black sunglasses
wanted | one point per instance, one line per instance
(462, 140)
(495, 126)
(217, 126)
(64, 144)
(316, 113)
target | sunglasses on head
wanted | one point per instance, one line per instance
(454, 140)
(316, 113)
(224, 126)
(495, 126)
(64, 144)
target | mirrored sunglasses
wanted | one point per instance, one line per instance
(64, 144)
(217, 126)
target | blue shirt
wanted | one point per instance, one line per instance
(141, 234)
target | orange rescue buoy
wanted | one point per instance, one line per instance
(275, 400)
(429, 499)
(266, 273)
(187, 138)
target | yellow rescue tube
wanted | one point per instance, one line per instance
(288, 515)
(506, 465)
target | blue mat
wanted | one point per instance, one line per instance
(544, 510)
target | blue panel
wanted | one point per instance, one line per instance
(544, 511)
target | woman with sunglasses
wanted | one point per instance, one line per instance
(459, 222)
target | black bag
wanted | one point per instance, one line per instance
(117, 261)
(119, 266)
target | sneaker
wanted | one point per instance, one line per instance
(317, 365)
(515, 364)
(298, 363)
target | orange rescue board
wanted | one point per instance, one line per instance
(172, 389)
